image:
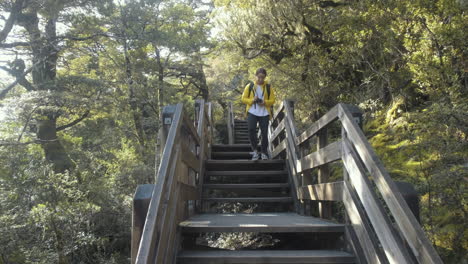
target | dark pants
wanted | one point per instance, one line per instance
(252, 121)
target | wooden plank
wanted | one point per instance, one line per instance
(279, 149)
(325, 209)
(291, 154)
(393, 246)
(325, 155)
(259, 222)
(140, 206)
(172, 248)
(189, 125)
(189, 158)
(324, 121)
(245, 185)
(290, 119)
(190, 192)
(278, 111)
(230, 124)
(360, 226)
(250, 200)
(265, 256)
(168, 216)
(277, 131)
(409, 226)
(354, 246)
(147, 240)
(331, 191)
(247, 173)
(290, 134)
(202, 154)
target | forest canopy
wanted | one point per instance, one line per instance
(83, 83)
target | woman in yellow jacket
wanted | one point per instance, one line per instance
(259, 98)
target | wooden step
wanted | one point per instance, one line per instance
(280, 176)
(245, 165)
(249, 200)
(259, 222)
(264, 256)
(231, 155)
(245, 185)
(277, 173)
(231, 147)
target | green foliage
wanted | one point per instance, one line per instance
(117, 64)
(400, 61)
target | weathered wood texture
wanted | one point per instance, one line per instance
(364, 211)
(420, 245)
(230, 124)
(178, 181)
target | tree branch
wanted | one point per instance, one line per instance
(15, 143)
(74, 122)
(27, 123)
(20, 79)
(14, 44)
(15, 11)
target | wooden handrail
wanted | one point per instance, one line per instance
(230, 124)
(185, 151)
(371, 222)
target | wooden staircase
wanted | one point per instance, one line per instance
(205, 188)
(231, 177)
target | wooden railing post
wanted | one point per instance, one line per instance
(141, 201)
(167, 118)
(230, 124)
(357, 116)
(196, 115)
(325, 209)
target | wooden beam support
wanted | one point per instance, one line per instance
(330, 153)
(141, 201)
(324, 121)
(420, 245)
(361, 226)
(331, 191)
(278, 130)
(190, 159)
(392, 246)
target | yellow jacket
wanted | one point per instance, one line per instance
(249, 100)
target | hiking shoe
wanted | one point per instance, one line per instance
(264, 156)
(255, 156)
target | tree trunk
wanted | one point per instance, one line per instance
(54, 151)
(44, 74)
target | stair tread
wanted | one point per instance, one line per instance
(245, 185)
(231, 154)
(259, 222)
(270, 161)
(280, 199)
(231, 145)
(245, 173)
(268, 256)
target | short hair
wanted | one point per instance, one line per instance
(261, 70)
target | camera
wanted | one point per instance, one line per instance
(258, 101)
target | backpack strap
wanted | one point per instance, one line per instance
(251, 85)
(268, 90)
